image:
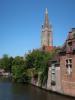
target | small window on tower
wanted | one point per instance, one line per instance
(43, 47)
(48, 38)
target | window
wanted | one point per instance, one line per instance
(69, 65)
(53, 78)
(70, 46)
(66, 61)
(48, 39)
(70, 43)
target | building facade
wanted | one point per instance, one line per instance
(61, 73)
(54, 78)
(67, 64)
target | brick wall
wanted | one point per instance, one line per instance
(67, 81)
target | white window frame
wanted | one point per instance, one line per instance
(69, 66)
(53, 77)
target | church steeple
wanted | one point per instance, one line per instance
(46, 39)
(46, 22)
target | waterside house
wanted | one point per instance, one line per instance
(61, 73)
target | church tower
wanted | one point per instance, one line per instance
(46, 36)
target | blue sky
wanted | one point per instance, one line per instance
(21, 20)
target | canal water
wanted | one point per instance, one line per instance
(10, 91)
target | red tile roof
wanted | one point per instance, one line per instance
(48, 48)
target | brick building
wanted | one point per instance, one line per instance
(67, 64)
(61, 73)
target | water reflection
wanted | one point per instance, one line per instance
(9, 91)
(28, 92)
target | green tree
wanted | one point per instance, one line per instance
(6, 62)
(19, 70)
(38, 60)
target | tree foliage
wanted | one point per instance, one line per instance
(39, 61)
(34, 65)
(6, 62)
(18, 69)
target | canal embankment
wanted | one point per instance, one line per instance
(55, 92)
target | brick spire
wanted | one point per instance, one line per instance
(46, 23)
(46, 39)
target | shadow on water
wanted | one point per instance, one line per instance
(10, 91)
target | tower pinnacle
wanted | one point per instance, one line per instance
(46, 11)
(46, 23)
